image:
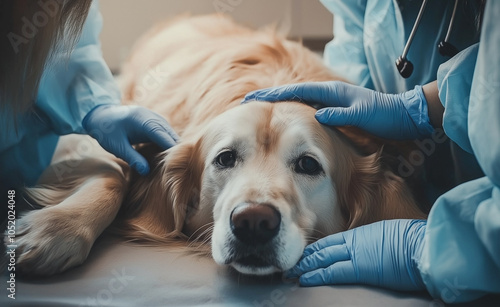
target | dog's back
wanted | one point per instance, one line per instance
(198, 67)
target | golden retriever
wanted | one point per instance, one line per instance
(256, 182)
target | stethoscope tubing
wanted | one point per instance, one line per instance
(450, 26)
(414, 29)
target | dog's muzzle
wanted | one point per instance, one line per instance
(254, 227)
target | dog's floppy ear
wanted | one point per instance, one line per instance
(374, 193)
(157, 204)
(361, 192)
(181, 176)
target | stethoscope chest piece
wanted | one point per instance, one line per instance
(404, 66)
(447, 49)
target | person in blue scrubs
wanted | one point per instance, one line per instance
(76, 91)
(455, 254)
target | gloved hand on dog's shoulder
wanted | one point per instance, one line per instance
(384, 254)
(118, 127)
(392, 116)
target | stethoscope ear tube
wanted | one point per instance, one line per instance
(404, 66)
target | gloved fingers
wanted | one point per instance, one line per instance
(338, 273)
(308, 92)
(338, 116)
(320, 259)
(123, 150)
(143, 126)
(163, 123)
(164, 139)
(160, 132)
(335, 239)
(271, 94)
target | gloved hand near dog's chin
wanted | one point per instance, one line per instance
(392, 116)
(384, 254)
(118, 127)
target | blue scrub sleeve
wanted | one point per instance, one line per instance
(461, 256)
(460, 259)
(345, 53)
(71, 87)
(484, 109)
(454, 81)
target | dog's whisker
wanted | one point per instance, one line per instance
(205, 236)
(197, 243)
(205, 239)
(209, 226)
(205, 243)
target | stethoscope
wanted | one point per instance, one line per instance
(405, 67)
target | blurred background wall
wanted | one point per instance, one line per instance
(126, 20)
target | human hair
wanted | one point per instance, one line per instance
(30, 32)
(475, 10)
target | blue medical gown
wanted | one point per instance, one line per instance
(461, 256)
(369, 35)
(71, 85)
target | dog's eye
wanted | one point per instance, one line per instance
(226, 158)
(307, 165)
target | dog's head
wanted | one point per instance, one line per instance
(264, 180)
(267, 178)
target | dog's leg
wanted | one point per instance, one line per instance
(77, 210)
(56, 238)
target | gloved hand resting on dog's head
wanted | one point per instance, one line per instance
(392, 116)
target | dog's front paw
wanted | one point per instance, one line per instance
(50, 241)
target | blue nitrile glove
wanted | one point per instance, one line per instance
(381, 254)
(117, 127)
(392, 116)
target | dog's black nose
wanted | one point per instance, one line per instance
(255, 223)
